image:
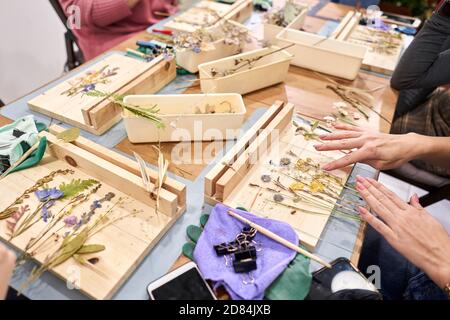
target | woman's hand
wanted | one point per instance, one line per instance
(379, 150)
(7, 264)
(409, 228)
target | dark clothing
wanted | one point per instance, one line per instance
(424, 66)
(399, 278)
(422, 107)
(432, 118)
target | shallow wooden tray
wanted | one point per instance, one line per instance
(97, 114)
(268, 140)
(128, 240)
(239, 11)
(267, 71)
(181, 122)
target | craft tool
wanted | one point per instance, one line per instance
(146, 44)
(138, 54)
(279, 239)
(165, 31)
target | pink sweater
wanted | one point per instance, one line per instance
(106, 23)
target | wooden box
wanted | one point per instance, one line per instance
(271, 30)
(318, 53)
(185, 118)
(207, 13)
(237, 178)
(98, 114)
(135, 226)
(190, 60)
(269, 70)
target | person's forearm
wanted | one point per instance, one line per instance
(438, 267)
(434, 150)
(426, 62)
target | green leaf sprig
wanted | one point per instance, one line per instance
(147, 113)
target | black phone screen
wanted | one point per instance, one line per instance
(187, 286)
(321, 281)
(399, 19)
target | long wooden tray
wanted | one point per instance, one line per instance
(127, 240)
(98, 114)
(236, 178)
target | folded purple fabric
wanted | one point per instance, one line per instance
(271, 261)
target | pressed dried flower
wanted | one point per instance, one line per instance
(48, 194)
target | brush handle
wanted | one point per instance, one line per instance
(279, 239)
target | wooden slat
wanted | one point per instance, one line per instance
(342, 25)
(115, 176)
(245, 162)
(354, 21)
(216, 172)
(119, 160)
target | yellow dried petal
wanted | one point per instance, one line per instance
(316, 186)
(297, 186)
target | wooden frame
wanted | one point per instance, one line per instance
(350, 31)
(236, 179)
(271, 30)
(128, 240)
(239, 11)
(97, 115)
(374, 60)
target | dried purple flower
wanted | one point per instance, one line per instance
(70, 221)
(96, 204)
(196, 49)
(45, 213)
(89, 87)
(48, 194)
(109, 196)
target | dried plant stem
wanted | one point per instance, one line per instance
(248, 63)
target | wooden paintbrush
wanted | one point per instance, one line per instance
(279, 239)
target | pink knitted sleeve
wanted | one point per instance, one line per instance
(99, 12)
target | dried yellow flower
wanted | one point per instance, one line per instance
(297, 186)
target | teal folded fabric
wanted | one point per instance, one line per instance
(16, 138)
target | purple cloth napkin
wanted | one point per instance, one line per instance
(271, 261)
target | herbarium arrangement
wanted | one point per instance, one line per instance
(203, 39)
(89, 80)
(387, 42)
(283, 16)
(65, 228)
(294, 182)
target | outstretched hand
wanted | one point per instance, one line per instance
(379, 150)
(7, 264)
(409, 228)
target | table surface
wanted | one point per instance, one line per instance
(305, 88)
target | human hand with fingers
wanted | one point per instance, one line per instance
(408, 228)
(379, 150)
(7, 264)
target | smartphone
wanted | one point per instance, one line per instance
(401, 20)
(343, 275)
(183, 283)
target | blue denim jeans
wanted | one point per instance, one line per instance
(399, 279)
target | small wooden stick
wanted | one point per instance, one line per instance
(21, 159)
(279, 239)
